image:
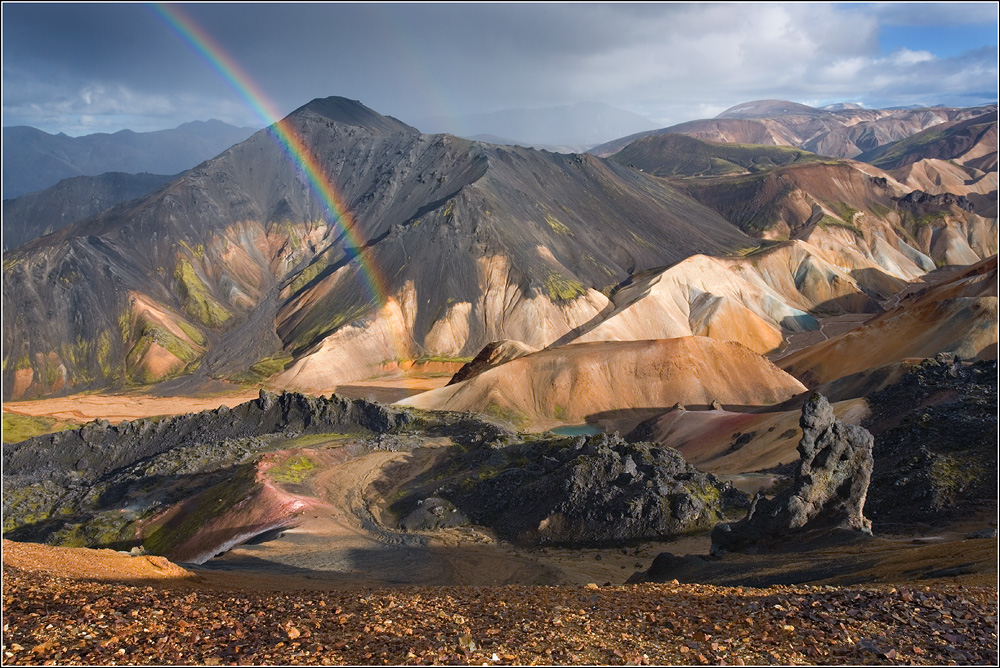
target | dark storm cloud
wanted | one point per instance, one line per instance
(85, 67)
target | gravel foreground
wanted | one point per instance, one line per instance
(52, 620)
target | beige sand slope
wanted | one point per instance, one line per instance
(751, 300)
(615, 382)
(958, 315)
(360, 349)
(937, 176)
(699, 296)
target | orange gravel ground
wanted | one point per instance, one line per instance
(117, 407)
(73, 607)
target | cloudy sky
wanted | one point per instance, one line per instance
(80, 68)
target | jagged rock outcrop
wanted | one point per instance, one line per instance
(944, 200)
(827, 494)
(99, 447)
(589, 490)
(434, 513)
(493, 354)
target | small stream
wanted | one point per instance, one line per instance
(577, 430)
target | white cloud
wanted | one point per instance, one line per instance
(107, 107)
(669, 62)
(905, 57)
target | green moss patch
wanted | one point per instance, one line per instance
(196, 299)
(17, 428)
(442, 358)
(151, 334)
(510, 415)
(292, 471)
(558, 227)
(307, 275)
(829, 221)
(262, 369)
(562, 289)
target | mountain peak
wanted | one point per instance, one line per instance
(761, 108)
(352, 112)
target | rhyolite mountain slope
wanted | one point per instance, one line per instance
(615, 383)
(843, 133)
(35, 160)
(836, 237)
(36, 214)
(958, 158)
(971, 143)
(957, 316)
(777, 193)
(235, 271)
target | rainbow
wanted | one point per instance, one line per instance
(291, 143)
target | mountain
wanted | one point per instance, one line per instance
(838, 242)
(957, 316)
(615, 383)
(846, 207)
(234, 271)
(34, 160)
(581, 124)
(682, 156)
(39, 213)
(768, 109)
(506, 141)
(971, 143)
(844, 133)
(843, 106)
(959, 157)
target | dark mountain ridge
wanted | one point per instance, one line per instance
(945, 141)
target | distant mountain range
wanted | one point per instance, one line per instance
(578, 126)
(843, 133)
(34, 160)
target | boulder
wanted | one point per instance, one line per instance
(827, 495)
(434, 513)
(667, 566)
